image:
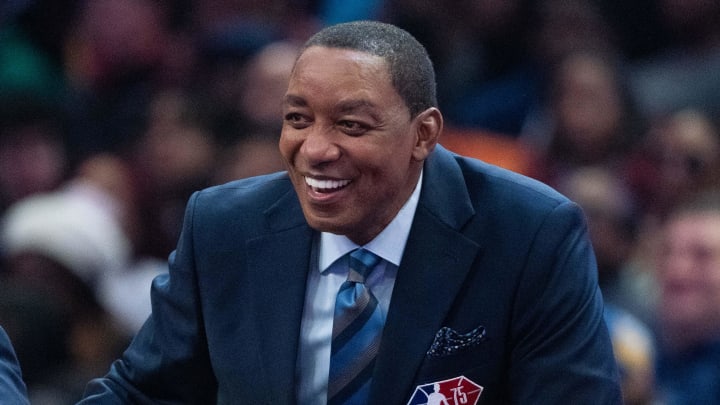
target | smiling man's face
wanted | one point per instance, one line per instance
(353, 151)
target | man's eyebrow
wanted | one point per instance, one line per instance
(352, 105)
(294, 101)
(343, 107)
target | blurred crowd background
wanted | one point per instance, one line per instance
(113, 111)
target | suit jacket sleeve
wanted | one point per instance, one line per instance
(12, 387)
(561, 351)
(167, 362)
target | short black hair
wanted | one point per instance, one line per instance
(411, 69)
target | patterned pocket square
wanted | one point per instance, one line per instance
(448, 341)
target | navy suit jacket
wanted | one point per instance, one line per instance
(488, 250)
(12, 387)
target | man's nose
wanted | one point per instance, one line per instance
(320, 145)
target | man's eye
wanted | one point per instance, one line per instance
(292, 117)
(350, 124)
(352, 127)
(296, 119)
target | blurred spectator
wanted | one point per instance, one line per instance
(239, 91)
(115, 59)
(560, 28)
(114, 42)
(264, 80)
(679, 155)
(610, 212)
(55, 248)
(227, 33)
(588, 119)
(33, 148)
(688, 270)
(114, 181)
(634, 350)
(175, 155)
(71, 280)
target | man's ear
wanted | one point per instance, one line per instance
(429, 125)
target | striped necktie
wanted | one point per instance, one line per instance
(357, 328)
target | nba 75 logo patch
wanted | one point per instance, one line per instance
(455, 391)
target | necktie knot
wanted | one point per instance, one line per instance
(362, 262)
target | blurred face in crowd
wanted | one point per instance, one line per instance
(688, 150)
(32, 160)
(689, 275)
(588, 105)
(353, 150)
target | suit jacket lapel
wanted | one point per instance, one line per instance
(278, 265)
(434, 265)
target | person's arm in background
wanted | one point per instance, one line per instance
(12, 386)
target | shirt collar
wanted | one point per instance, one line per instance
(389, 244)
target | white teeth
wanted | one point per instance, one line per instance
(326, 184)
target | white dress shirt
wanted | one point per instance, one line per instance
(329, 269)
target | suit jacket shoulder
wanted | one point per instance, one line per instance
(505, 259)
(249, 201)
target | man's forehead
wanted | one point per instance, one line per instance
(323, 67)
(318, 54)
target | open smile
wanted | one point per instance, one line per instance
(326, 186)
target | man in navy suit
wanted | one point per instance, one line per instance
(12, 387)
(487, 281)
